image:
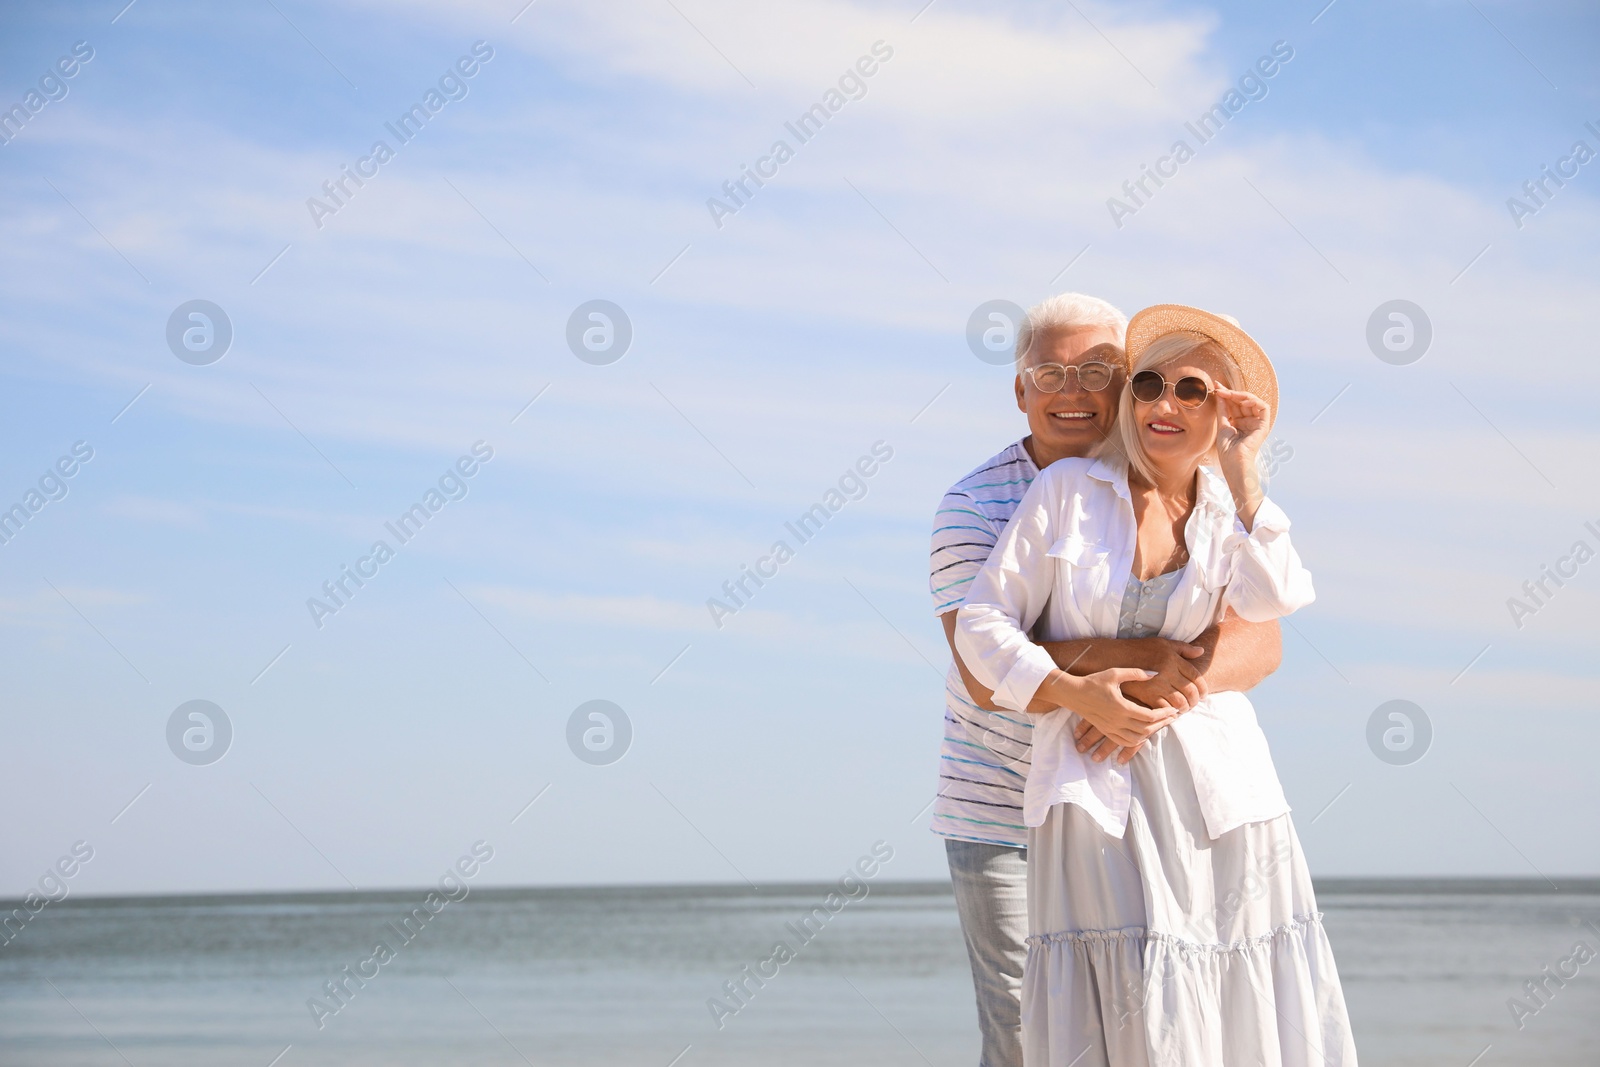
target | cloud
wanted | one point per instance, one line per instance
(640, 611)
(853, 634)
(44, 609)
(973, 64)
(153, 510)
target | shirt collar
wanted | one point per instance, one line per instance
(1111, 468)
(1213, 487)
(1023, 455)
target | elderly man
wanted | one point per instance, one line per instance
(1070, 371)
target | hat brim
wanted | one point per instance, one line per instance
(1162, 319)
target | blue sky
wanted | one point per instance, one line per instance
(768, 355)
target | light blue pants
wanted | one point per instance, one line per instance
(991, 885)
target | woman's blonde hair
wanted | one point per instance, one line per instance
(1125, 441)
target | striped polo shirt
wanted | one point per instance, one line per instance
(983, 762)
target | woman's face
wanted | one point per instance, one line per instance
(1175, 437)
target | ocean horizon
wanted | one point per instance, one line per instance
(671, 974)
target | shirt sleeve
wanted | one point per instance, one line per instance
(1268, 580)
(962, 540)
(1006, 599)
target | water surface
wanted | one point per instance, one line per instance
(624, 976)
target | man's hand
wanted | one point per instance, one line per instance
(1178, 683)
(1179, 665)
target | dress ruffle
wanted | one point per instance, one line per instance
(1132, 997)
(1168, 948)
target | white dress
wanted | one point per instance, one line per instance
(1168, 947)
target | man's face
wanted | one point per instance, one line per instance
(1075, 420)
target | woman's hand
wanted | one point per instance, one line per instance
(1246, 418)
(1098, 698)
(1098, 747)
(1178, 685)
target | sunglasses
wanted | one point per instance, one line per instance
(1052, 377)
(1147, 387)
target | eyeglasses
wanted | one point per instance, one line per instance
(1148, 386)
(1052, 377)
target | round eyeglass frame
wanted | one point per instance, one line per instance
(1147, 376)
(1033, 374)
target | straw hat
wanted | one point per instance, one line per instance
(1254, 366)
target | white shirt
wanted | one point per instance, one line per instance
(1059, 572)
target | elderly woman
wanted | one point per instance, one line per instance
(1171, 914)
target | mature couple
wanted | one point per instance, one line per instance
(1130, 885)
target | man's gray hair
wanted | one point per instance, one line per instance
(1068, 311)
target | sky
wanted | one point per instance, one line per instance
(421, 319)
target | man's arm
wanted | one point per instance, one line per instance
(1239, 654)
(1236, 656)
(1100, 701)
(1231, 656)
(1177, 679)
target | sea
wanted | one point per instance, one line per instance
(672, 976)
